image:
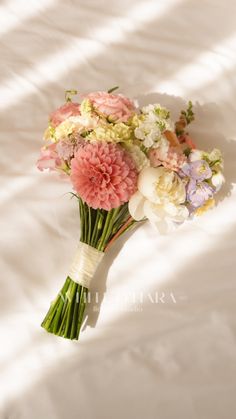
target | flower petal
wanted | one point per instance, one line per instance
(156, 216)
(147, 182)
(217, 180)
(136, 206)
(182, 213)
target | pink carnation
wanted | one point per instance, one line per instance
(173, 159)
(118, 107)
(64, 112)
(104, 175)
(49, 158)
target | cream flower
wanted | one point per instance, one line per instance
(215, 155)
(49, 134)
(139, 157)
(112, 133)
(153, 122)
(160, 196)
(78, 124)
(64, 130)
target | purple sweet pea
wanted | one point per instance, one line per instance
(198, 170)
(198, 193)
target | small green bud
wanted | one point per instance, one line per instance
(69, 94)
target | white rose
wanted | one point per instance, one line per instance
(159, 197)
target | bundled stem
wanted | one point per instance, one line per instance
(99, 229)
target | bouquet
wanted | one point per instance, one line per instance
(125, 165)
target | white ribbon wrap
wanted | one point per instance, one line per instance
(85, 263)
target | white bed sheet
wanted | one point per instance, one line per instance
(171, 359)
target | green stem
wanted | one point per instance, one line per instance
(95, 227)
(98, 227)
(54, 306)
(75, 313)
(113, 89)
(82, 304)
(89, 225)
(71, 307)
(81, 208)
(104, 233)
(59, 328)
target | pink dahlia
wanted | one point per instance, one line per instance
(104, 175)
(64, 112)
(117, 107)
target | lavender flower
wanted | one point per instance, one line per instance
(198, 170)
(198, 190)
(198, 193)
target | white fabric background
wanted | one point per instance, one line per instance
(168, 360)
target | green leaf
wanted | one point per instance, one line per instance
(113, 89)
